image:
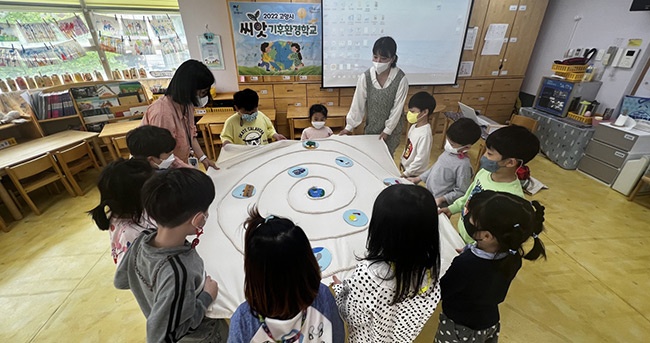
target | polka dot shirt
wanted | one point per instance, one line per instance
(364, 303)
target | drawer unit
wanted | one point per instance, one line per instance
(450, 100)
(606, 153)
(281, 104)
(327, 101)
(503, 98)
(475, 86)
(345, 101)
(629, 140)
(279, 78)
(291, 90)
(507, 85)
(346, 91)
(266, 103)
(314, 90)
(457, 88)
(417, 89)
(475, 99)
(264, 91)
(598, 169)
(251, 79)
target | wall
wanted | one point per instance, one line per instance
(196, 14)
(603, 21)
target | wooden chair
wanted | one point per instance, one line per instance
(645, 179)
(119, 144)
(516, 119)
(298, 126)
(336, 124)
(214, 137)
(31, 175)
(75, 160)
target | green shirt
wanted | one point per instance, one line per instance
(257, 132)
(482, 181)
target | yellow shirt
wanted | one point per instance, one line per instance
(257, 132)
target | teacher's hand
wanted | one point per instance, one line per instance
(383, 136)
(345, 132)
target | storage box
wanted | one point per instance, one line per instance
(581, 68)
(582, 119)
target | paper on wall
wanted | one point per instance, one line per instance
(470, 39)
(496, 31)
(466, 68)
(492, 47)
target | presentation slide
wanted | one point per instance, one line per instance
(429, 36)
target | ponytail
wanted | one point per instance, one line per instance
(538, 226)
(100, 217)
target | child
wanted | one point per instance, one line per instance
(415, 159)
(508, 149)
(285, 300)
(266, 58)
(248, 125)
(295, 56)
(478, 279)
(394, 289)
(119, 190)
(317, 116)
(155, 145)
(450, 176)
(162, 269)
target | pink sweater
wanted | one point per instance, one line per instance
(167, 114)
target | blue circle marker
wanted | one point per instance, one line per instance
(310, 145)
(316, 192)
(243, 191)
(355, 218)
(344, 162)
(392, 181)
(298, 171)
(323, 257)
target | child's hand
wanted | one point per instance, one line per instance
(211, 286)
(279, 137)
(415, 180)
(337, 281)
(440, 200)
(446, 211)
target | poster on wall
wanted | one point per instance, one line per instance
(211, 52)
(8, 32)
(73, 27)
(277, 38)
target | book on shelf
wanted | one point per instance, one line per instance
(84, 92)
(53, 105)
(130, 87)
(96, 102)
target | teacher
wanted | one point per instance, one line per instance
(380, 93)
(189, 87)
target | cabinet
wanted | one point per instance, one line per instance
(610, 148)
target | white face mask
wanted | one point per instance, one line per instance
(381, 67)
(318, 124)
(203, 101)
(166, 163)
(451, 149)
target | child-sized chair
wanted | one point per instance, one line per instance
(75, 160)
(121, 149)
(31, 175)
(214, 137)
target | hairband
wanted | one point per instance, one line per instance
(266, 220)
(512, 251)
(535, 236)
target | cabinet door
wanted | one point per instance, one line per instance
(499, 12)
(522, 37)
(476, 19)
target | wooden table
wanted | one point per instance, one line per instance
(115, 130)
(220, 118)
(32, 149)
(301, 112)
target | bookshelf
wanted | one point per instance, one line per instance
(88, 106)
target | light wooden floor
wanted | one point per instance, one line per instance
(56, 272)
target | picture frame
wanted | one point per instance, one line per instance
(211, 51)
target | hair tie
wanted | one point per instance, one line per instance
(266, 220)
(535, 236)
(516, 225)
(512, 251)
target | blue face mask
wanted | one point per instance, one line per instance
(249, 117)
(489, 165)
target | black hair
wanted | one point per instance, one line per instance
(464, 131)
(119, 187)
(317, 108)
(282, 275)
(403, 232)
(174, 196)
(190, 77)
(423, 101)
(512, 220)
(514, 141)
(386, 47)
(149, 140)
(264, 46)
(297, 46)
(246, 99)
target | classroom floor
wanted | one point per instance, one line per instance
(56, 272)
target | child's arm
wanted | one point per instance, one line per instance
(457, 206)
(350, 295)
(303, 136)
(463, 180)
(420, 158)
(227, 134)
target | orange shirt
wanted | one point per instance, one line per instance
(167, 114)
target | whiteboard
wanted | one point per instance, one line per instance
(430, 35)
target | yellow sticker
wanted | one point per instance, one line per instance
(635, 42)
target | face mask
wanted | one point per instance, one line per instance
(249, 117)
(412, 117)
(198, 230)
(470, 228)
(451, 149)
(489, 165)
(203, 101)
(318, 124)
(381, 67)
(166, 163)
